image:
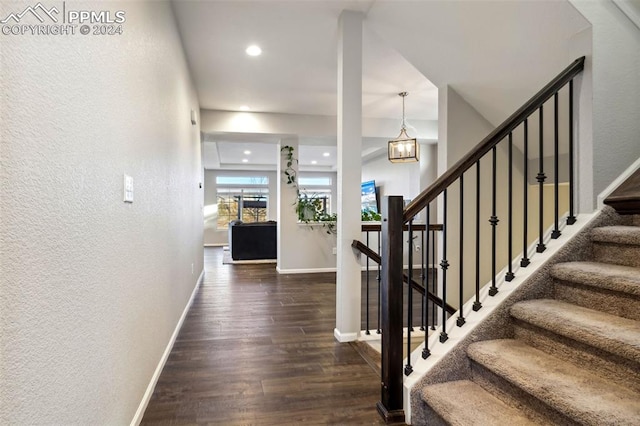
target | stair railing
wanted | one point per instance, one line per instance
(395, 218)
(424, 288)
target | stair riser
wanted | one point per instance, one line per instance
(616, 303)
(430, 416)
(516, 397)
(616, 368)
(617, 254)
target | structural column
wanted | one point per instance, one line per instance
(287, 217)
(348, 277)
(428, 171)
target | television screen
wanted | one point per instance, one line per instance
(369, 199)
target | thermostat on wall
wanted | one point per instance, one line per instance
(128, 189)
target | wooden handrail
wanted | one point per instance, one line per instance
(364, 249)
(488, 143)
(372, 227)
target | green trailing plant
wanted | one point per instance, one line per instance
(309, 208)
(289, 172)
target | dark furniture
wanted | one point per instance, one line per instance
(249, 241)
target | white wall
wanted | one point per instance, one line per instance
(91, 288)
(214, 121)
(301, 247)
(393, 178)
(615, 64)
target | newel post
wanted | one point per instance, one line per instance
(390, 405)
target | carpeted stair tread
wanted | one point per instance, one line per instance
(611, 333)
(625, 279)
(629, 235)
(465, 403)
(582, 396)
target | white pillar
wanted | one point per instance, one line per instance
(428, 171)
(287, 197)
(348, 278)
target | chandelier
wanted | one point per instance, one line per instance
(403, 149)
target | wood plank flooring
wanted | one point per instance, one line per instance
(257, 348)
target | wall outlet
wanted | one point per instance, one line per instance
(192, 270)
(335, 250)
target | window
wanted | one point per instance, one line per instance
(314, 181)
(241, 197)
(315, 197)
(320, 199)
(242, 180)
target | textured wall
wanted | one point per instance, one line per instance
(616, 92)
(92, 288)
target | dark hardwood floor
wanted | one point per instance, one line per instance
(258, 348)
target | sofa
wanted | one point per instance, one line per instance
(250, 241)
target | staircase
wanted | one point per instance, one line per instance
(572, 357)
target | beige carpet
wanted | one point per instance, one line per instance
(571, 357)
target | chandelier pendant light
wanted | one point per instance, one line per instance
(404, 149)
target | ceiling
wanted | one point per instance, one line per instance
(296, 73)
(495, 54)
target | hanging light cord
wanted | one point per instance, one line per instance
(403, 94)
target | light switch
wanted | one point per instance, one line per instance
(128, 189)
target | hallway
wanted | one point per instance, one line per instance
(258, 348)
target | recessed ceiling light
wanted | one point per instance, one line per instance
(326, 154)
(253, 50)
(314, 162)
(247, 152)
(244, 160)
(244, 108)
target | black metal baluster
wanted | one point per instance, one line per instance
(407, 368)
(556, 230)
(493, 290)
(367, 332)
(541, 178)
(425, 351)
(460, 321)
(423, 278)
(434, 278)
(444, 264)
(572, 218)
(509, 276)
(476, 304)
(525, 191)
(379, 279)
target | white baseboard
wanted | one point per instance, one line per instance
(137, 418)
(344, 337)
(616, 183)
(304, 271)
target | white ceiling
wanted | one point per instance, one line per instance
(296, 73)
(495, 54)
